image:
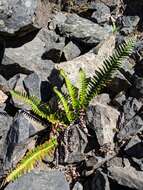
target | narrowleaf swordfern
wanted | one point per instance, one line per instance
(71, 105)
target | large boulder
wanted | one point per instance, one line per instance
(16, 15)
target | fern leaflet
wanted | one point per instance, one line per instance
(31, 159)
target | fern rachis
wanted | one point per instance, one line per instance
(31, 159)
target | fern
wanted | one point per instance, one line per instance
(83, 82)
(79, 100)
(72, 90)
(104, 75)
(38, 107)
(31, 159)
(64, 101)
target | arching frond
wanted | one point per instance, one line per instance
(83, 82)
(72, 90)
(31, 159)
(104, 74)
(65, 104)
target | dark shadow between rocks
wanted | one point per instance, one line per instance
(17, 40)
(45, 90)
(8, 71)
(52, 54)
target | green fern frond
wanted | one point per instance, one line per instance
(38, 107)
(72, 90)
(32, 101)
(31, 159)
(66, 106)
(83, 83)
(104, 74)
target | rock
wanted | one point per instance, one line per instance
(119, 100)
(40, 180)
(33, 60)
(82, 29)
(110, 3)
(5, 123)
(126, 176)
(103, 120)
(134, 148)
(131, 128)
(131, 121)
(75, 142)
(102, 13)
(71, 51)
(3, 97)
(32, 84)
(16, 16)
(100, 181)
(129, 23)
(136, 89)
(131, 108)
(138, 162)
(89, 62)
(78, 186)
(54, 45)
(17, 139)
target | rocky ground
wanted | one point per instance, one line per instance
(37, 37)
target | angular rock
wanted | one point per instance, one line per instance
(131, 128)
(134, 148)
(29, 58)
(5, 123)
(89, 62)
(32, 84)
(82, 29)
(75, 142)
(100, 181)
(126, 176)
(78, 186)
(103, 120)
(17, 139)
(42, 180)
(71, 51)
(137, 88)
(54, 44)
(129, 24)
(17, 15)
(102, 13)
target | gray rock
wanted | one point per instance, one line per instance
(138, 162)
(78, 186)
(131, 108)
(126, 176)
(32, 84)
(137, 88)
(16, 15)
(131, 122)
(20, 130)
(89, 62)
(5, 124)
(71, 51)
(130, 128)
(52, 180)
(134, 148)
(29, 58)
(129, 24)
(119, 100)
(102, 13)
(54, 44)
(100, 181)
(103, 120)
(82, 29)
(75, 142)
